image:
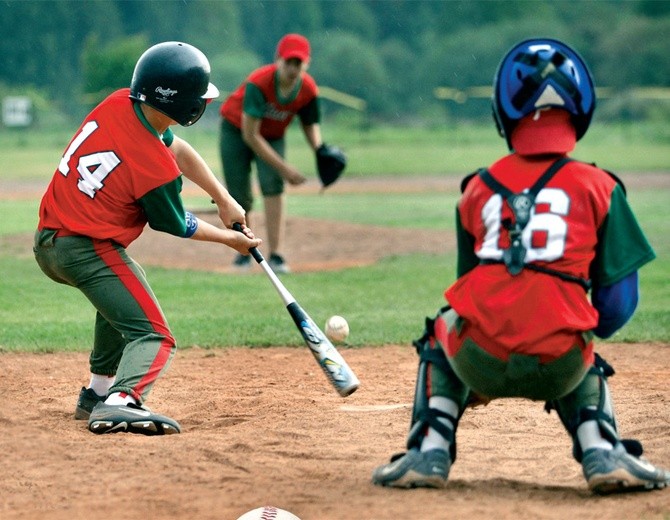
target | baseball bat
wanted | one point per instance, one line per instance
(326, 355)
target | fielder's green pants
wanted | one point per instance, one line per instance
(236, 158)
(132, 337)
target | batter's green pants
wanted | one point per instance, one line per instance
(132, 337)
(236, 159)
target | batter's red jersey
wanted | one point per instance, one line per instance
(581, 226)
(276, 114)
(112, 161)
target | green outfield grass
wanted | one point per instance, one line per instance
(385, 303)
(451, 150)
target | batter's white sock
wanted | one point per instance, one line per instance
(101, 384)
(589, 436)
(120, 398)
(433, 438)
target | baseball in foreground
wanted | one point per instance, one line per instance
(337, 328)
(268, 513)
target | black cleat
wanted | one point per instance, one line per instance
(86, 402)
(131, 418)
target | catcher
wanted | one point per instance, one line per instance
(254, 121)
(537, 231)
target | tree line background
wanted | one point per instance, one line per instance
(392, 54)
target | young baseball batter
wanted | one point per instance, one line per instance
(537, 232)
(123, 169)
(253, 125)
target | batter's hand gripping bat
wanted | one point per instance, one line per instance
(327, 356)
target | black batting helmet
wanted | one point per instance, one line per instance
(173, 78)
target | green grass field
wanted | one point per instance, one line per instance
(454, 149)
(385, 303)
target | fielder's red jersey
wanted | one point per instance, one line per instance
(581, 226)
(113, 161)
(276, 114)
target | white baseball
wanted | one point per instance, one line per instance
(337, 328)
(268, 513)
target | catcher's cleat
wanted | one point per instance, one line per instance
(414, 469)
(86, 402)
(617, 471)
(131, 418)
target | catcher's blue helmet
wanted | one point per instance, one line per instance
(539, 73)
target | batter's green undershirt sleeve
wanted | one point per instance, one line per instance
(164, 208)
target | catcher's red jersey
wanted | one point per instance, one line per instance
(532, 313)
(112, 161)
(276, 114)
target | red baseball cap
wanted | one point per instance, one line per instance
(293, 46)
(545, 131)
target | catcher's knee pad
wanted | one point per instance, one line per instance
(591, 401)
(435, 377)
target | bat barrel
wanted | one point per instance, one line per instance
(338, 372)
(349, 389)
(335, 367)
(327, 356)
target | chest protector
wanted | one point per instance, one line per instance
(522, 205)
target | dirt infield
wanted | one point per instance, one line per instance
(263, 427)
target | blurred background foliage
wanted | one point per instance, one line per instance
(391, 54)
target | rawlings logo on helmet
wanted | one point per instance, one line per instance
(166, 92)
(164, 95)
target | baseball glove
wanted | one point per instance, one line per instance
(330, 163)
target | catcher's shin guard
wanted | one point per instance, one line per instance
(434, 377)
(591, 401)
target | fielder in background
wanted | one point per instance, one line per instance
(122, 170)
(537, 231)
(254, 121)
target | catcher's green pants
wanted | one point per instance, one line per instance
(566, 382)
(520, 376)
(236, 158)
(132, 337)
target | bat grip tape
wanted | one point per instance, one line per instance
(258, 256)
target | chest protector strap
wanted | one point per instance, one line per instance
(522, 205)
